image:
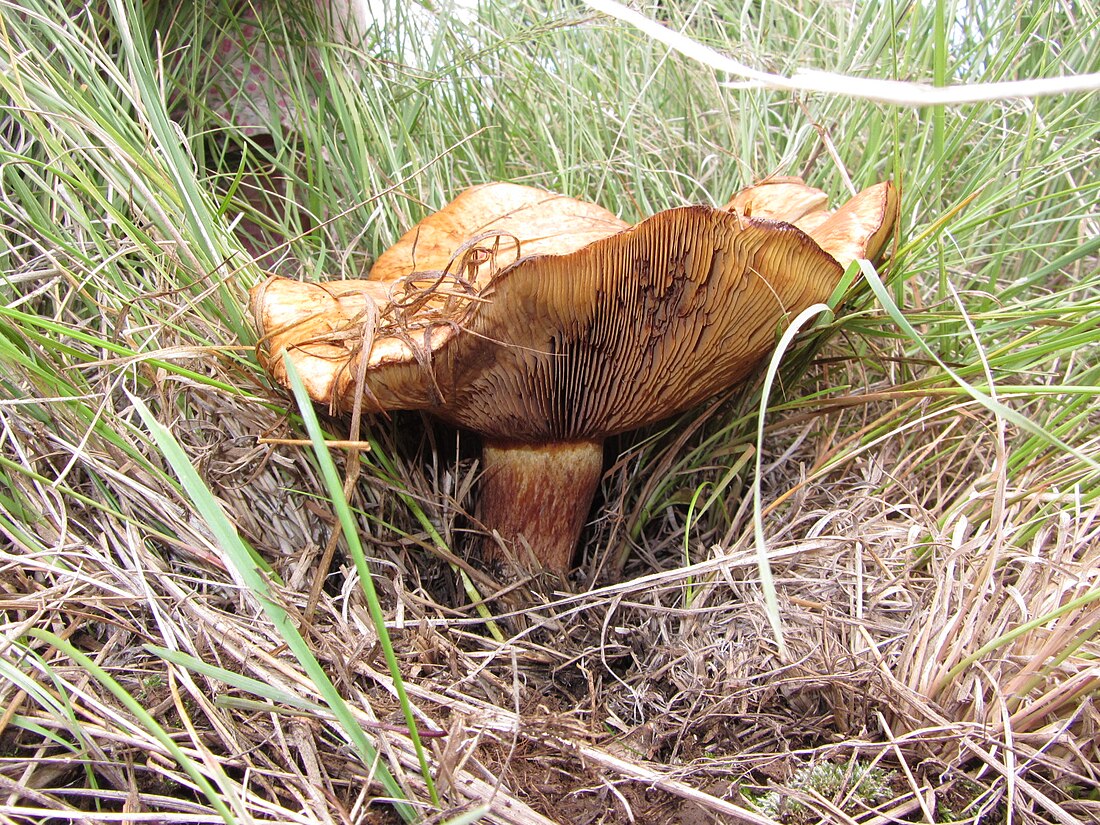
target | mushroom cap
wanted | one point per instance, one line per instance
(515, 221)
(779, 199)
(858, 229)
(588, 338)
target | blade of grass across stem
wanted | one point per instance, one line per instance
(366, 577)
(237, 554)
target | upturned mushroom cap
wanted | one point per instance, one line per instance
(542, 322)
(624, 331)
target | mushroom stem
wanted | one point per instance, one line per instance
(538, 496)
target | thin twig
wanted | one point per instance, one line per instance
(898, 92)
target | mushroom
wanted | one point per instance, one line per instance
(546, 324)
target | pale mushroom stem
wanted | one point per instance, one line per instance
(538, 496)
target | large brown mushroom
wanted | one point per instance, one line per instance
(546, 324)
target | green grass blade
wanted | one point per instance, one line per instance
(990, 403)
(237, 680)
(366, 577)
(215, 796)
(239, 556)
(767, 583)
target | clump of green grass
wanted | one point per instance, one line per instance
(188, 633)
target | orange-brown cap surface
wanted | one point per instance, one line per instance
(625, 330)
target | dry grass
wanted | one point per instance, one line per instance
(624, 697)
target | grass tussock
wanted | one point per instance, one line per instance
(208, 616)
